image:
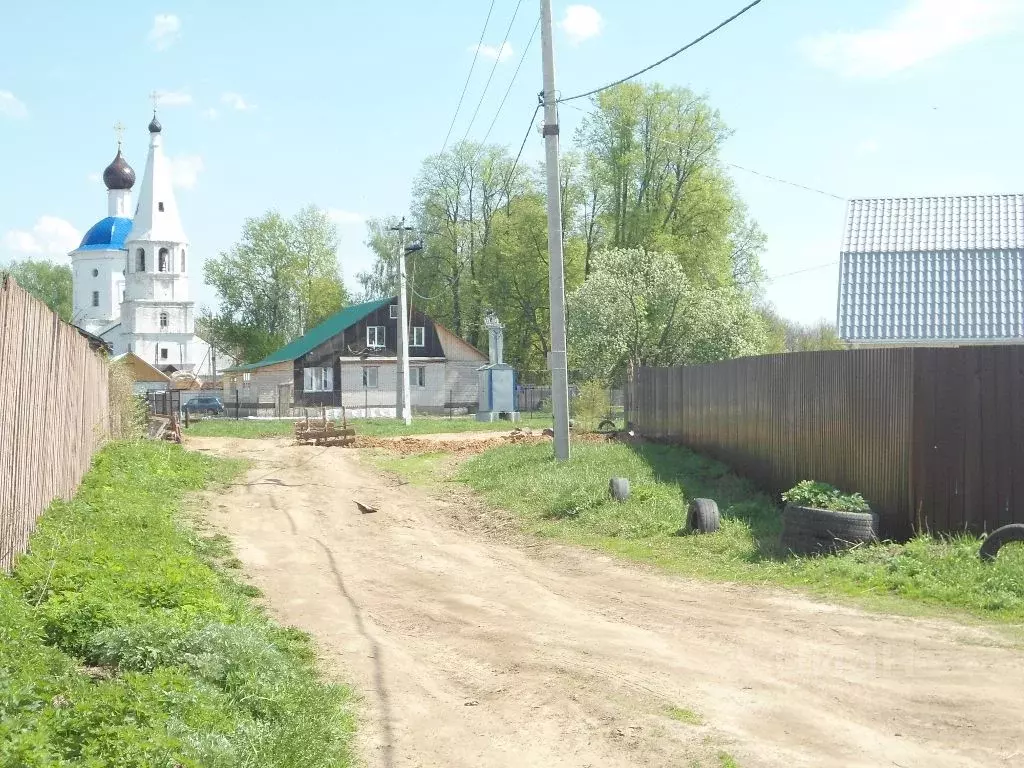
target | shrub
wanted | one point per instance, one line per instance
(591, 404)
(128, 411)
(810, 493)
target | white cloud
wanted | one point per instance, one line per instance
(922, 30)
(867, 147)
(340, 216)
(210, 114)
(11, 106)
(581, 22)
(165, 31)
(235, 101)
(500, 52)
(185, 170)
(49, 236)
(173, 98)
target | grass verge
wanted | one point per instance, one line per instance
(421, 425)
(570, 502)
(122, 642)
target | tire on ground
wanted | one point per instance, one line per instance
(994, 541)
(702, 516)
(807, 530)
(618, 487)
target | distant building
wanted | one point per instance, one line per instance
(350, 359)
(933, 271)
(130, 272)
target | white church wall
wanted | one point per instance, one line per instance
(99, 273)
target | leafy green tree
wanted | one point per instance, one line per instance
(789, 336)
(276, 282)
(50, 283)
(640, 308)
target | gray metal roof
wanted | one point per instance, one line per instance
(903, 224)
(937, 269)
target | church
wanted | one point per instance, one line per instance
(130, 273)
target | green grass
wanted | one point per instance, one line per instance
(684, 715)
(421, 425)
(124, 641)
(570, 502)
(725, 760)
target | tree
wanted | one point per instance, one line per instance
(789, 336)
(50, 283)
(640, 308)
(276, 282)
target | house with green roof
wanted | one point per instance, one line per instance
(350, 360)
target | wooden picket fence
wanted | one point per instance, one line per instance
(54, 413)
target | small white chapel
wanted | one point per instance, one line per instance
(130, 273)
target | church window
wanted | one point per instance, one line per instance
(95, 273)
(160, 207)
(163, 353)
(163, 319)
(140, 260)
(183, 260)
(162, 264)
(95, 298)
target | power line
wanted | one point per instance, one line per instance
(497, 60)
(773, 278)
(508, 90)
(767, 176)
(658, 63)
(476, 55)
(508, 179)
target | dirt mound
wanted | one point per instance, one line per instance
(460, 444)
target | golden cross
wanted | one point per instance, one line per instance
(155, 96)
(119, 131)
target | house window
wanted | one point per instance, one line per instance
(160, 207)
(394, 311)
(418, 376)
(370, 377)
(163, 320)
(163, 353)
(418, 337)
(164, 258)
(318, 379)
(375, 336)
(246, 379)
(95, 273)
(140, 260)
(95, 298)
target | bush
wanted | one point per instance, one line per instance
(592, 404)
(809, 493)
(128, 411)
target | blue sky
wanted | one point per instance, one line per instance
(336, 103)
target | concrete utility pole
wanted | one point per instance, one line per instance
(403, 406)
(556, 275)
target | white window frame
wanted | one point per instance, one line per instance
(376, 336)
(318, 379)
(393, 311)
(418, 337)
(376, 376)
(418, 376)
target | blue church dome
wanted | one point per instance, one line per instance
(107, 234)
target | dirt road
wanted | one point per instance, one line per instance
(473, 647)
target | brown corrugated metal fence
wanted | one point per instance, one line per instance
(932, 437)
(54, 413)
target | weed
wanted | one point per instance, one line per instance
(725, 760)
(683, 715)
(184, 670)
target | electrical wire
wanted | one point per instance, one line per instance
(497, 60)
(512, 170)
(508, 90)
(658, 63)
(476, 55)
(773, 278)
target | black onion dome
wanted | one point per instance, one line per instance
(154, 125)
(119, 175)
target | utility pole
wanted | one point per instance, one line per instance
(556, 275)
(403, 407)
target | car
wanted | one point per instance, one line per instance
(209, 405)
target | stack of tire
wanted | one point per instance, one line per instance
(813, 531)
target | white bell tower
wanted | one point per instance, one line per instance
(157, 316)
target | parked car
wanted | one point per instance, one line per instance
(208, 405)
